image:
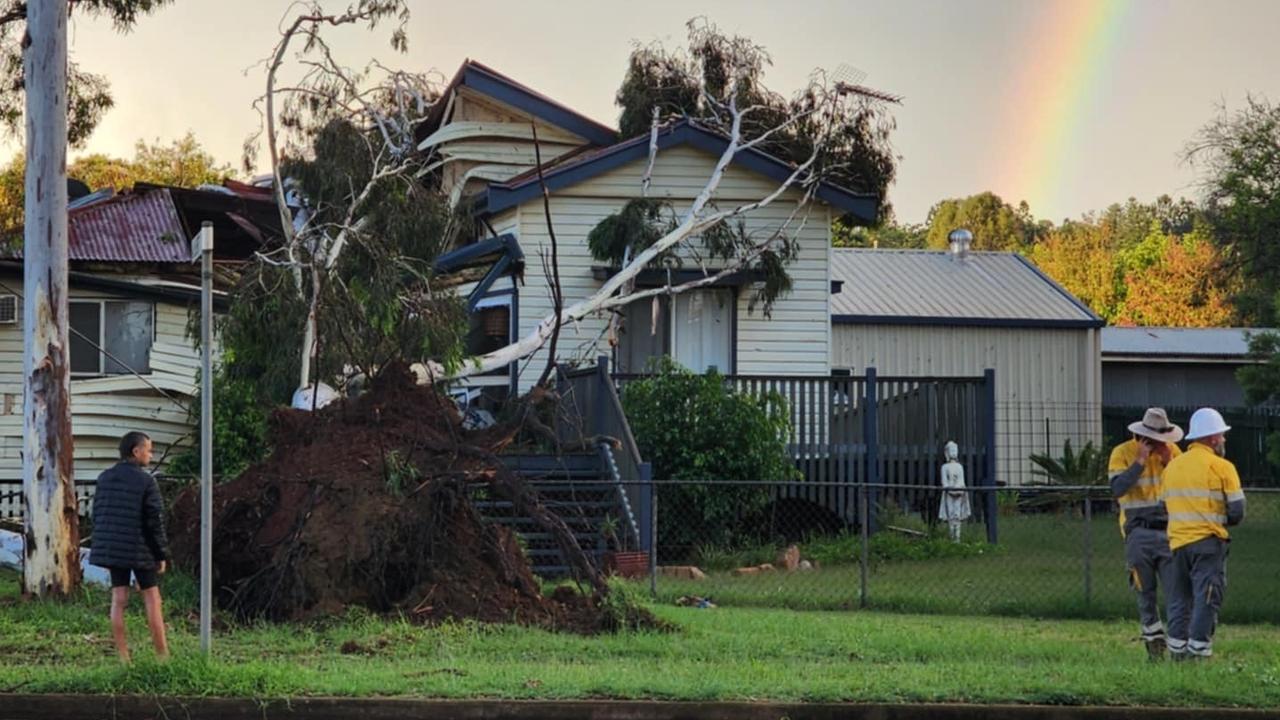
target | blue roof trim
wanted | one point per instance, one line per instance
(1047, 324)
(499, 197)
(459, 258)
(1061, 290)
(504, 90)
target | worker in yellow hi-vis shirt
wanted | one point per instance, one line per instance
(1135, 471)
(1201, 491)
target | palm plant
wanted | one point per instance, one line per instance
(1086, 469)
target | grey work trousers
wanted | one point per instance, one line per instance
(1195, 591)
(1146, 554)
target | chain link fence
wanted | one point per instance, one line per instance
(806, 545)
(1058, 552)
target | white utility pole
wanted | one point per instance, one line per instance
(206, 434)
(52, 562)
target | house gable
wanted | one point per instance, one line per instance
(589, 165)
(481, 130)
(793, 341)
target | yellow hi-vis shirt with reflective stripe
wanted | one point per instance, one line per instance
(1146, 492)
(1196, 490)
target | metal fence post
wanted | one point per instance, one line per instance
(863, 515)
(648, 524)
(1088, 548)
(206, 438)
(870, 437)
(646, 471)
(989, 434)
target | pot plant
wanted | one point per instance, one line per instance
(618, 560)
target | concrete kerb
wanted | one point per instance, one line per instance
(134, 707)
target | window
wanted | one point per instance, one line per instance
(700, 331)
(124, 329)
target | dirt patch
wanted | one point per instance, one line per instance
(366, 502)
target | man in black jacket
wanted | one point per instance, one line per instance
(129, 538)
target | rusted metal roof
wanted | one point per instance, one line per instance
(135, 227)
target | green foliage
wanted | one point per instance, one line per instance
(239, 430)
(626, 607)
(995, 224)
(637, 226)
(1086, 467)
(858, 156)
(88, 95)
(399, 472)
(379, 305)
(182, 163)
(1261, 382)
(889, 235)
(696, 428)
(1238, 155)
(890, 547)
(641, 223)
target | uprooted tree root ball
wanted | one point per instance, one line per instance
(365, 502)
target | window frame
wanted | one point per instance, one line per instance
(102, 329)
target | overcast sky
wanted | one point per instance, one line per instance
(977, 77)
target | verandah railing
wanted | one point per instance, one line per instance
(847, 430)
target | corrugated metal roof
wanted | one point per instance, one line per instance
(1185, 342)
(927, 286)
(142, 227)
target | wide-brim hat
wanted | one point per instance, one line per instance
(1155, 425)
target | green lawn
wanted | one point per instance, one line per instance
(1036, 570)
(726, 653)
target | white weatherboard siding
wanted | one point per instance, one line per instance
(793, 342)
(1040, 374)
(481, 146)
(103, 409)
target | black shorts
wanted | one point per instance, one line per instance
(120, 577)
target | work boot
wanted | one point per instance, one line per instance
(1155, 650)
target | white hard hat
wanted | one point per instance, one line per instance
(1206, 422)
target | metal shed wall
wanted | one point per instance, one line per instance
(1129, 384)
(1048, 381)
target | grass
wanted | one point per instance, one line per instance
(1037, 569)
(726, 653)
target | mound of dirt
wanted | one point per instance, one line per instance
(366, 502)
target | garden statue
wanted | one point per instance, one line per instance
(955, 501)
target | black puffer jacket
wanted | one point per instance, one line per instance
(128, 520)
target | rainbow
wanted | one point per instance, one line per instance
(1071, 46)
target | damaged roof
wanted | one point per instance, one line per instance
(490, 82)
(153, 224)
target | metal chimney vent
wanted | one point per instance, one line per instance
(960, 240)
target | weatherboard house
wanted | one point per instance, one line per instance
(903, 313)
(481, 140)
(130, 287)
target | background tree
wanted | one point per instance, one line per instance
(1238, 155)
(1185, 286)
(995, 224)
(1080, 256)
(182, 163)
(851, 138)
(889, 235)
(88, 95)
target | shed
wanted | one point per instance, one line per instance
(1174, 367)
(924, 313)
